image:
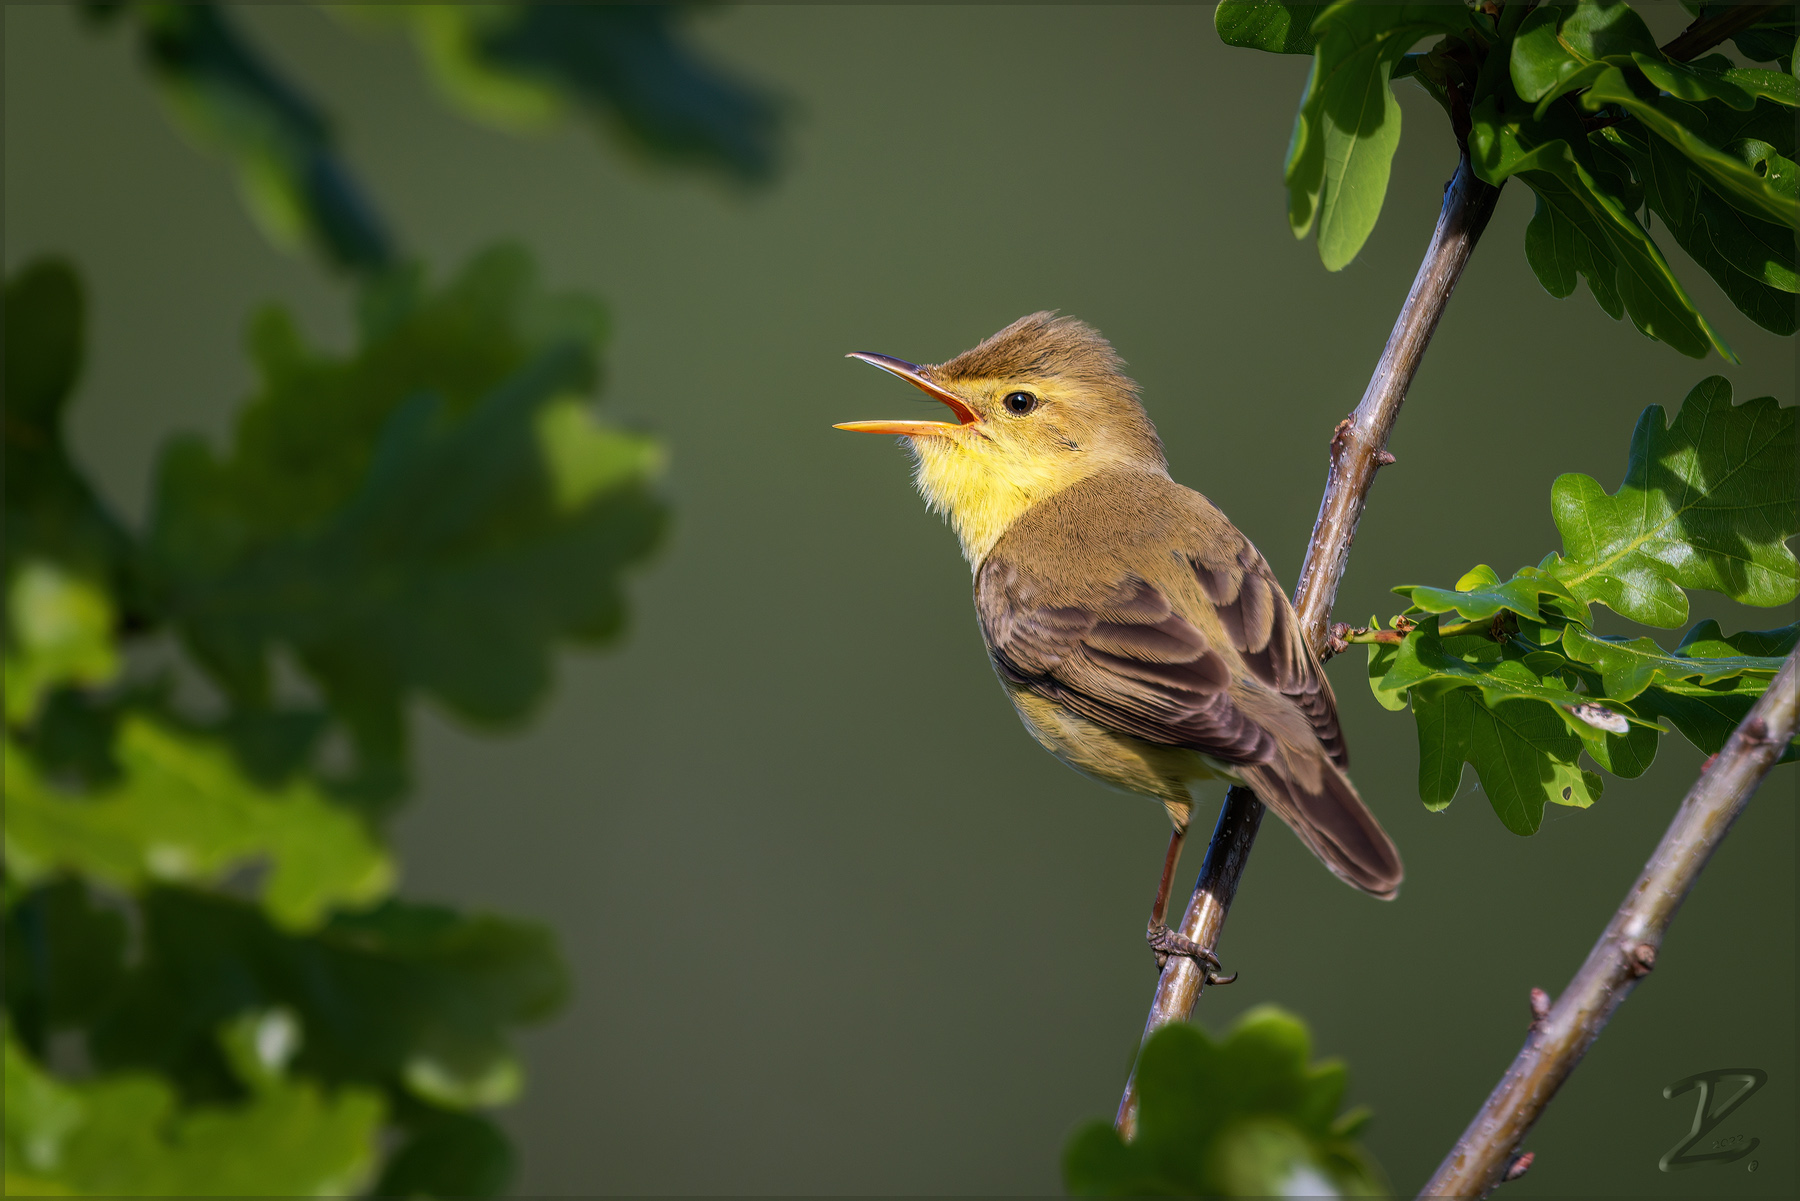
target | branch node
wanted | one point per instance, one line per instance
(1640, 960)
(1340, 437)
(1755, 730)
(1385, 459)
(1517, 1166)
(1540, 1010)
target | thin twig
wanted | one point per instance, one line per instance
(1707, 32)
(1627, 950)
(1358, 451)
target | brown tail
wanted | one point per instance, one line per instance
(1316, 799)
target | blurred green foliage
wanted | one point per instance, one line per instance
(520, 66)
(1576, 99)
(1250, 1116)
(1510, 675)
(430, 512)
(209, 986)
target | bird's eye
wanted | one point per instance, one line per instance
(1020, 403)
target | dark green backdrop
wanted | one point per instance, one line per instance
(837, 924)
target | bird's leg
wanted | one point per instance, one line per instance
(1166, 942)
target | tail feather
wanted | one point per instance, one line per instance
(1318, 802)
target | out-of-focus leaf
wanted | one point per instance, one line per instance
(127, 1136)
(65, 958)
(182, 811)
(1266, 25)
(447, 1154)
(52, 514)
(1582, 225)
(430, 513)
(1246, 1117)
(1523, 752)
(625, 65)
(1348, 125)
(231, 100)
(59, 631)
(1707, 502)
(417, 997)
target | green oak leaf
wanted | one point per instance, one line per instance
(183, 811)
(446, 1153)
(1628, 666)
(52, 514)
(627, 67)
(1523, 752)
(1266, 25)
(1582, 225)
(1707, 715)
(1610, 731)
(128, 1135)
(427, 514)
(228, 96)
(1482, 594)
(419, 997)
(1707, 641)
(1764, 186)
(1348, 125)
(1751, 260)
(1249, 1116)
(1714, 78)
(59, 630)
(1707, 502)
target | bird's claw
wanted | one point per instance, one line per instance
(1166, 942)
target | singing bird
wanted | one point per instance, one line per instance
(1144, 641)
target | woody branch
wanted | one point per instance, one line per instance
(1358, 451)
(1626, 951)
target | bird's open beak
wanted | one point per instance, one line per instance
(918, 379)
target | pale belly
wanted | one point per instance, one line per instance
(1120, 761)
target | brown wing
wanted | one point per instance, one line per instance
(1126, 660)
(1260, 623)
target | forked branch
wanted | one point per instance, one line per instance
(1358, 451)
(1627, 950)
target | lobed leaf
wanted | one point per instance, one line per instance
(1245, 1117)
(128, 1135)
(427, 514)
(1707, 502)
(1482, 594)
(626, 66)
(228, 97)
(1764, 186)
(59, 630)
(1523, 752)
(1628, 666)
(182, 811)
(1583, 226)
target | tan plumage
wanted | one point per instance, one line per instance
(1142, 638)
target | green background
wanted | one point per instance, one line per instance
(837, 924)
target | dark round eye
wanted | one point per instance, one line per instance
(1020, 403)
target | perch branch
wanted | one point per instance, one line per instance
(1358, 451)
(1626, 951)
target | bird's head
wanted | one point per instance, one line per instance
(1042, 404)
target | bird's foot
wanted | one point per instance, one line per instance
(1166, 942)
